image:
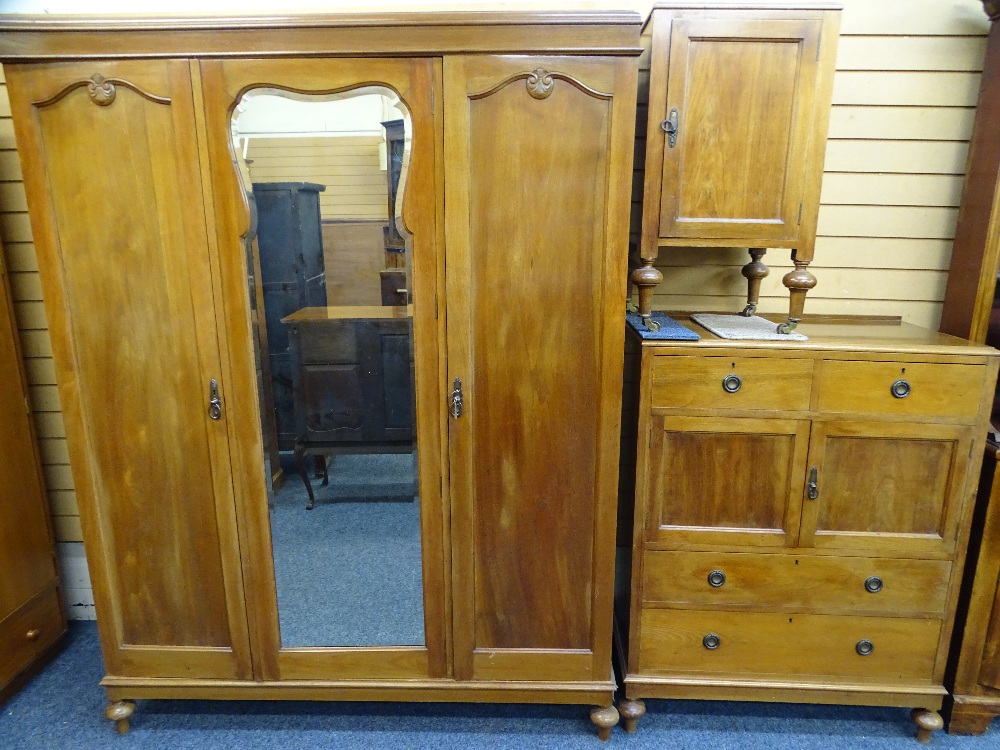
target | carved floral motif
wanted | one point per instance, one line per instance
(540, 83)
(101, 91)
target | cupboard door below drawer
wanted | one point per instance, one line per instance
(797, 583)
(714, 480)
(756, 643)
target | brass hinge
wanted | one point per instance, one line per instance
(800, 213)
(27, 405)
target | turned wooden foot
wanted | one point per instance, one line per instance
(754, 272)
(604, 718)
(120, 712)
(963, 720)
(631, 711)
(927, 723)
(645, 279)
(798, 282)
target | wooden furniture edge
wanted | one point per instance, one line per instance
(433, 691)
(33, 38)
(851, 694)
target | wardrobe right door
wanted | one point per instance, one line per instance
(539, 155)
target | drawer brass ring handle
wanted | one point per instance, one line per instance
(901, 388)
(711, 641)
(32, 635)
(731, 383)
(873, 585)
(716, 578)
(864, 647)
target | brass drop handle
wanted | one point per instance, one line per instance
(873, 584)
(864, 647)
(214, 402)
(812, 489)
(901, 388)
(32, 635)
(711, 641)
(716, 579)
(670, 127)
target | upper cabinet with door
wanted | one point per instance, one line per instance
(471, 557)
(739, 102)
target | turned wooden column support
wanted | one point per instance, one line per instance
(120, 712)
(604, 718)
(631, 711)
(646, 279)
(798, 282)
(927, 723)
(754, 272)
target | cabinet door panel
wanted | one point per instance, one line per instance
(744, 93)
(537, 163)
(112, 172)
(714, 480)
(888, 487)
(349, 360)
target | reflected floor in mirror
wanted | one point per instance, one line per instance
(349, 571)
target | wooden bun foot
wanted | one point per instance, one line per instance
(120, 712)
(604, 718)
(927, 723)
(631, 711)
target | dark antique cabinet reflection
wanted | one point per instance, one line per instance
(351, 379)
(292, 275)
(498, 516)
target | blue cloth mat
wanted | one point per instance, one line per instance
(670, 329)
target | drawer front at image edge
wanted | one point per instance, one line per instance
(911, 389)
(731, 383)
(877, 648)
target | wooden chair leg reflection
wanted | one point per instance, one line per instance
(300, 466)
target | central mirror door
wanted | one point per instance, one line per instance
(325, 179)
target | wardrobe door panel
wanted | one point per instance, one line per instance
(536, 249)
(111, 166)
(354, 586)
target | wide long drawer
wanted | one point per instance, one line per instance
(732, 383)
(757, 643)
(911, 389)
(797, 583)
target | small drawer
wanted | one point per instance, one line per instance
(914, 389)
(890, 649)
(793, 583)
(28, 632)
(732, 383)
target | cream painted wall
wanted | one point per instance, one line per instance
(904, 98)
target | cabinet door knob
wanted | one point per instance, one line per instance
(32, 635)
(732, 383)
(214, 402)
(901, 389)
(864, 647)
(711, 641)
(457, 399)
(670, 127)
(873, 585)
(716, 578)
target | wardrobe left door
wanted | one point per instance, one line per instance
(114, 179)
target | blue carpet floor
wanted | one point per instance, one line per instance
(348, 572)
(62, 709)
